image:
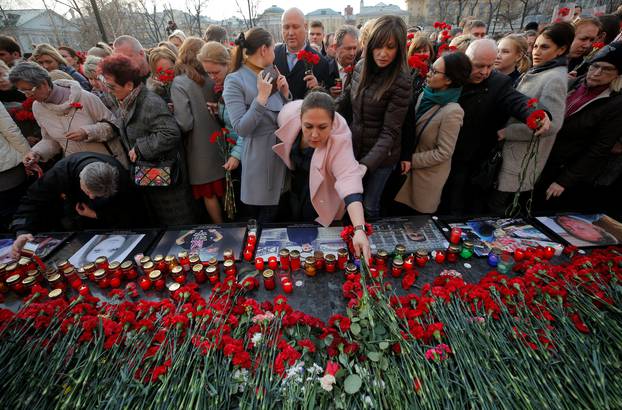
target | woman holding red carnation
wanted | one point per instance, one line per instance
(375, 104)
(545, 82)
(190, 92)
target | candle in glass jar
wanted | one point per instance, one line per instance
(212, 261)
(14, 282)
(114, 270)
(268, 279)
(284, 258)
(381, 259)
(310, 268)
(455, 235)
(248, 254)
(519, 254)
(129, 270)
(178, 275)
(157, 280)
(294, 260)
(467, 250)
(227, 255)
(549, 252)
(409, 263)
(273, 263)
(56, 294)
(194, 259)
(229, 267)
(101, 262)
(198, 270)
(173, 287)
(351, 271)
(101, 278)
(56, 282)
(439, 256)
(400, 250)
(319, 260)
(342, 258)
(421, 257)
(259, 263)
(452, 253)
(330, 261)
(397, 267)
(148, 268)
(287, 285)
(160, 263)
(184, 260)
(171, 262)
(212, 274)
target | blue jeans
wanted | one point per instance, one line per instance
(373, 186)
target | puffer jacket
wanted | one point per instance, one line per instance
(13, 145)
(376, 125)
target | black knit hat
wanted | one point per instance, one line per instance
(611, 54)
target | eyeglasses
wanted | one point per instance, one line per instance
(435, 71)
(602, 68)
(28, 92)
(106, 84)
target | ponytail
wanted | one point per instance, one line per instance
(248, 43)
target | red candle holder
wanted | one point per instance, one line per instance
(421, 258)
(184, 261)
(455, 235)
(439, 257)
(248, 254)
(259, 264)
(409, 263)
(268, 279)
(397, 267)
(287, 285)
(198, 270)
(342, 258)
(331, 263)
(549, 252)
(272, 263)
(294, 260)
(519, 255)
(284, 258)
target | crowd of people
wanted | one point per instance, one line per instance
(373, 121)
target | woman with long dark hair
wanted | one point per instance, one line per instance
(375, 103)
(254, 93)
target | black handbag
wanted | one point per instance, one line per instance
(486, 176)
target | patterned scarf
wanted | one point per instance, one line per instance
(128, 102)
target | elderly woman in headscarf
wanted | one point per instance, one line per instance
(71, 119)
(50, 59)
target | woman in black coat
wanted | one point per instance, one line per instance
(375, 104)
(584, 143)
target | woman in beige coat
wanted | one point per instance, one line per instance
(439, 118)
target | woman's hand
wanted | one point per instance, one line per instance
(231, 164)
(264, 87)
(405, 166)
(132, 155)
(83, 210)
(282, 85)
(360, 242)
(212, 107)
(554, 191)
(78, 135)
(19, 244)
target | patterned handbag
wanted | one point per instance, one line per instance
(148, 174)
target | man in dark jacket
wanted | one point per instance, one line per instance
(294, 39)
(488, 101)
(83, 190)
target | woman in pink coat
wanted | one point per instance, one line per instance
(327, 180)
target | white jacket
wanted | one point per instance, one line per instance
(13, 145)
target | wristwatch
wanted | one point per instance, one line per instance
(360, 228)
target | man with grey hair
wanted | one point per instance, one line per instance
(82, 191)
(488, 101)
(132, 49)
(346, 47)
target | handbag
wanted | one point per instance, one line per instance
(486, 176)
(149, 174)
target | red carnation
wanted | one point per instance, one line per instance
(598, 45)
(76, 105)
(535, 119)
(332, 368)
(214, 137)
(532, 102)
(564, 11)
(410, 36)
(348, 69)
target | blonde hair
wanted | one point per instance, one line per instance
(365, 32)
(187, 62)
(170, 46)
(159, 53)
(214, 52)
(419, 41)
(522, 48)
(461, 42)
(47, 49)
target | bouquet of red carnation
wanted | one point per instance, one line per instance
(347, 233)
(309, 58)
(24, 112)
(225, 143)
(417, 62)
(165, 77)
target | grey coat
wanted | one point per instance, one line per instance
(197, 125)
(549, 87)
(263, 172)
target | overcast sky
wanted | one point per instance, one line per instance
(220, 9)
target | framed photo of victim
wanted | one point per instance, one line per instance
(206, 241)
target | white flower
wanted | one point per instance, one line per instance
(295, 371)
(327, 382)
(256, 339)
(368, 401)
(315, 369)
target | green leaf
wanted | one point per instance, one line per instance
(384, 364)
(352, 383)
(374, 356)
(355, 328)
(383, 345)
(328, 340)
(343, 359)
(380, 330)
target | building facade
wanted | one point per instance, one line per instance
(331, 19)
(34, 26)
(270, 19)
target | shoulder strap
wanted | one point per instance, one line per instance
(427, 122)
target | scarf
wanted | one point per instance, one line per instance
(556, 62)
(431, 98)
(582, 96)
(128, 102)
(254, 68)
